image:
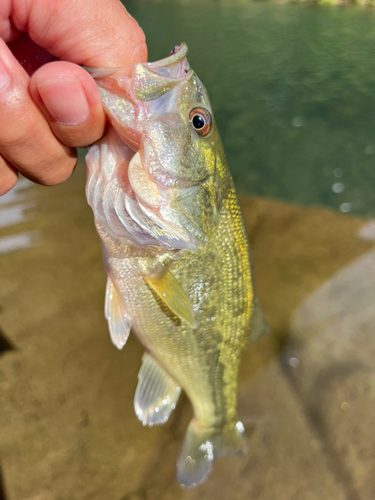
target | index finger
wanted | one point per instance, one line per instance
(93, 33)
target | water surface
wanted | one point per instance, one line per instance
(292, 88)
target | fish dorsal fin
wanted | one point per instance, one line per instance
(118, 322)
(259, 324)
(156, 394)
(168, 288)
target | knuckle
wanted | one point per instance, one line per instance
(40, 156)
(25, 131)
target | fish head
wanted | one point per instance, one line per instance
(175, 168)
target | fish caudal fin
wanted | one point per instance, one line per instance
(156, 395)
(202, 446)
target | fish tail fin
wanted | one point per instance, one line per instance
(203, 445)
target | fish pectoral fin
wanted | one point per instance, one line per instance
(118, 322)
(156, 395)
(259, 324)
(169, 290)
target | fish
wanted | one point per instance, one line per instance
(175, 252)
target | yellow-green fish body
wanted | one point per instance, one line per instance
(175, 251)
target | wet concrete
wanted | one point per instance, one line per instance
(67, 425)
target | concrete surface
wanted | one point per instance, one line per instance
(67, 426)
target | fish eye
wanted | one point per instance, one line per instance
(200, 120)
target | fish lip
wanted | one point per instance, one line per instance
(176, 54)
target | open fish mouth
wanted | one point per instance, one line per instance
(146, 93)
(137, 188)
(175, 65)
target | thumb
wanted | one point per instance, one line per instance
(97, 33)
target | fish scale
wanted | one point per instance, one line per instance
(184, 350)
(191, 306)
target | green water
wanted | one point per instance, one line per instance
(293, 90)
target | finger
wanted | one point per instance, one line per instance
(70, 100)
(92, 33)
(26, 140)
(8, 176)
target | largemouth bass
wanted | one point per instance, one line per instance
(175, 251)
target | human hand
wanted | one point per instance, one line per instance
(43, 118)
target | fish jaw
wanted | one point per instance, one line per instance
(167, 191)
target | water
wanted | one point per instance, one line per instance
(292, 87)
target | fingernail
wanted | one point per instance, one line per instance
(65, 100)
(4, 76)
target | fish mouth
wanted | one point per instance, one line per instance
(175, 56)
(133, 95)
(140, 195)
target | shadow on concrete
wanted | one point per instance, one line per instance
(2, 488)
(5, 345)
(317, 423)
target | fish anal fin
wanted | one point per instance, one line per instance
(259, 324)
(118, 322)
(169, 290)
(156, 395)
(202, 446)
